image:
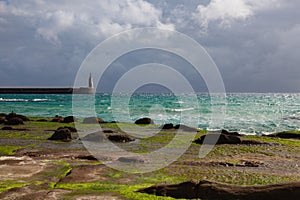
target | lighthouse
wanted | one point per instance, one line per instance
(85, 90)
(91, 84)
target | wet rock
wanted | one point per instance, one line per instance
(86, 157)
(57, 119)
(7, 128)
(286, 135)
(130, 160)
(230, 133)
(223, 139)
(62, 135)
(185, 128)
(185, 190)
(109, 131)
(2, 120)
(42, 120)
(69, 119)
(240, 164)
(250, 164)
(72, 129)
(3, 115)
(94, 137)
(14, 115)
(14, 121)
(167, 126)
(119, 137)
(213, 190)
(145, 120)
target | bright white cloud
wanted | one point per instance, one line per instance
(227, 11)
(101, 18)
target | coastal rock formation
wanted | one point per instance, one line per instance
(130, 160)
(14, 115)
(144, 120)
(93, 120)
(167, 126)
(213, 190)
(185, 128)
(99, 136)
(230, 133)
(2, 120)
(62, 134)
(57, 119)
(42, 120)
(119, 137)
(245, 163)
(286, 135)
(84, 173)
(186, 190)
(223, 139)
(72, 129)
(7, 128)
(94, 137)
(14, 121)
(69, 119)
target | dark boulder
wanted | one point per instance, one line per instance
(185, 190)
(94, 137)
(69, 119)
(240, 164)
(223, 139)
(14, 121)
(130, 160)
(213, 190)
(93, 120)
(144, 120)
(7, 128)
(62, 134)
(185, 128)
(42, 120)
(286, 135)
(119, 137)
(2, 120)
(86, 157)
(72, 129)
(3, 115)
(14, 115)
(230, 133)
(167, 126)
(57, 119)
(109, 131)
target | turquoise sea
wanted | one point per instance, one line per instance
(246, 113)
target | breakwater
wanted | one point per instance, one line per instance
(81, 90)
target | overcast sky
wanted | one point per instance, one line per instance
(255, 44)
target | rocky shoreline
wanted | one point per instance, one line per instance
(43, 158)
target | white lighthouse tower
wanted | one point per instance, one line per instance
(85, 90)
(91, 84)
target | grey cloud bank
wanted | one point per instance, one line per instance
(255, 44)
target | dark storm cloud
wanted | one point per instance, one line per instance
(254, 43)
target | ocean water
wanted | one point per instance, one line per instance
(246, 113)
